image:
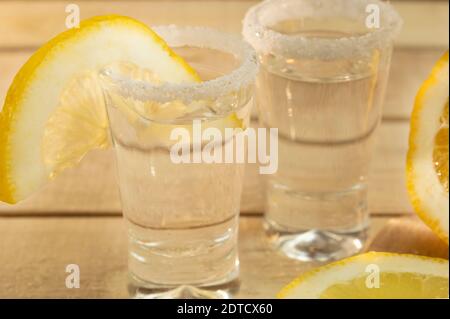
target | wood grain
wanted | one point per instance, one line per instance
(76, 218)
(29, 24)
(91, 187)
(410, 67)
(409, 235)
(34, 253)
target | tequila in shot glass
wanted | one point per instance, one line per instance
(181, 207)
(324, 68)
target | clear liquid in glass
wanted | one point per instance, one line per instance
(182, 219)
(327, 112)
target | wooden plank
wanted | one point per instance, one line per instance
(425, 23)
(387, 174)
(32, 23)
(91, 187)
(35, 252)
(409, 235)
(76, 191)
(10, 63)
(410, 67)
(27, 26)
(387, 180)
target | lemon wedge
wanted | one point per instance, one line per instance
(54, 111)
(427, 160)
(374, 276)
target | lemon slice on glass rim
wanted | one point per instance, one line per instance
(54, 111)
(427, 160)
(373, 275)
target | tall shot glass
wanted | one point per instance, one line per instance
(181, 214)
(324, 69)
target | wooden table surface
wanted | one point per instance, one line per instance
(77, 217)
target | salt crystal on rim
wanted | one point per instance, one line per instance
(265, 40)
(187, 92)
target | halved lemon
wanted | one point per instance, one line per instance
(427, 160)
(374, 275)
(54, 113)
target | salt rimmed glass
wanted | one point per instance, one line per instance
(324, 69)
(182, 218)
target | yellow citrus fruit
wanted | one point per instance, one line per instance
(427, 160)
(54, 111)
(374, 276)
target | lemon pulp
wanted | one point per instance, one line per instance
(392, 286)
(440, 151)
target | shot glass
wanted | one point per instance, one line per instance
(324, 69)
(181, 212)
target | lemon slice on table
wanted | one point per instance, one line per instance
(54, 111)
(374, 276)
(427, 160)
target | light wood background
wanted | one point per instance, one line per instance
(76, 218)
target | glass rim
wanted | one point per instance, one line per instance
(203, 37)
(266, 40)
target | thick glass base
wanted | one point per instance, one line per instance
(316, 226)
(199, 262)
(224, 291)
(315, 245)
